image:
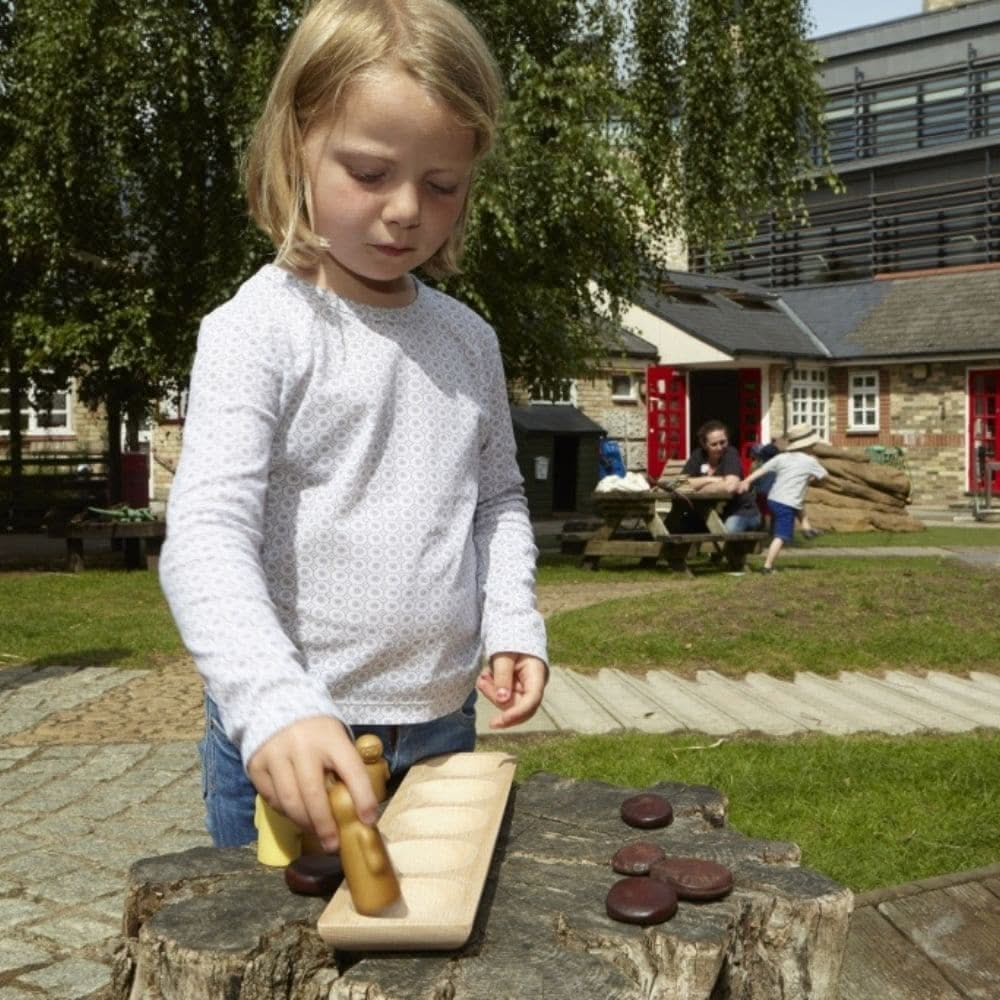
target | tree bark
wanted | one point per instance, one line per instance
(211, 923)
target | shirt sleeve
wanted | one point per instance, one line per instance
(819, 472)
(211, 568)
(504, 540)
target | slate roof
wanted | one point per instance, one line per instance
(553, 418)
(726, 325)
(620, 341)
(956, 312)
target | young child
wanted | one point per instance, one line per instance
(347, 528)
(793, 470)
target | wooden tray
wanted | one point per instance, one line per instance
(440, 829)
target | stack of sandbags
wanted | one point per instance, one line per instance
(859, 494)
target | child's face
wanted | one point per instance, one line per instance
(389, 177)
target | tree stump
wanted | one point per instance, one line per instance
(213, 923)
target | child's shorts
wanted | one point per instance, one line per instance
(782, 520)
(229, 793)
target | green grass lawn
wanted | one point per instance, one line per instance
(866, 810)
(944, 536)
(825, 615)
(95, 618)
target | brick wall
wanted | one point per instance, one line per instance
(167, 439)
(922, 409)
(624, 420)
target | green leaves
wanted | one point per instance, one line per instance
(122, 217)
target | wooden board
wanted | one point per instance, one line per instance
(440, 829)
(958, 929)
(880, 962)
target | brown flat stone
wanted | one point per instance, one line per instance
(694, 878)
(636, 858)
(640, 900)
(314, 874)
(647, 811)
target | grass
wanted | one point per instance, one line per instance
(94, 618)
(942, 536)
(867, 811)
(823, 615)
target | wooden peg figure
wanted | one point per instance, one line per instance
(279, 840)
(367, 868)
(370, 748)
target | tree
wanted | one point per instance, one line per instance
(123, 127)
(120, 194)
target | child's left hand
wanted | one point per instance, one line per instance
(515, 684)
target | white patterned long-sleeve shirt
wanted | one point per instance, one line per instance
(347, 530)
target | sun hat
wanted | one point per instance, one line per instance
(800, 436)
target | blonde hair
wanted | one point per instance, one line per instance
(336, 42)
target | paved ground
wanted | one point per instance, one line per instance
(98, 767)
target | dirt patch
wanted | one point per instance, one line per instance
(158, 706)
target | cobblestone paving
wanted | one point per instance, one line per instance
(98, 768)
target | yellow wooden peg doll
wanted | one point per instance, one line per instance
(279, 840)
(370, 748)
(372, 882)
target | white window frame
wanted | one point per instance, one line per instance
(35, 428)
(810, 399)
(567, 395)
(863, 397)
(632, 396)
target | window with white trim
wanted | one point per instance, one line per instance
(862, 401)
(810, 399)
(42, 412)
(624, 388)
(561, 393)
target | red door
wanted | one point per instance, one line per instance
(748, 402)
(984, 422)
(666, 417)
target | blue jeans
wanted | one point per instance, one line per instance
(229, 793)
(743, 522)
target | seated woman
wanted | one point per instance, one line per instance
(715, 465)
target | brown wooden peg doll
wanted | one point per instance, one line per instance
(367, 868)
(370, 748)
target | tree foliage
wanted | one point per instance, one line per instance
(123, 124)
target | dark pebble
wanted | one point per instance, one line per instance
(314, 874)
(694, 878)
(635, 858)
(647, 811)
(641, 901)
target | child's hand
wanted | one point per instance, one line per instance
(290, 771)
(743, 485)
(515, 684)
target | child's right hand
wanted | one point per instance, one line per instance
(291, 768)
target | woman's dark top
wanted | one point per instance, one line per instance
(729, 465)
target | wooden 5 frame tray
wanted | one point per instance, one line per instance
(439, 829)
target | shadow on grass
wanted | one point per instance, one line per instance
(27, 671)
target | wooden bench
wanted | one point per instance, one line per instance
(676, 549)
(142, 541)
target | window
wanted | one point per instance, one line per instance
(42, 412)
(624, 388)
(809, 399)
(561, 393)
(862, 401)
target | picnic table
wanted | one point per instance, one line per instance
(142, 541)
(634, 525)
